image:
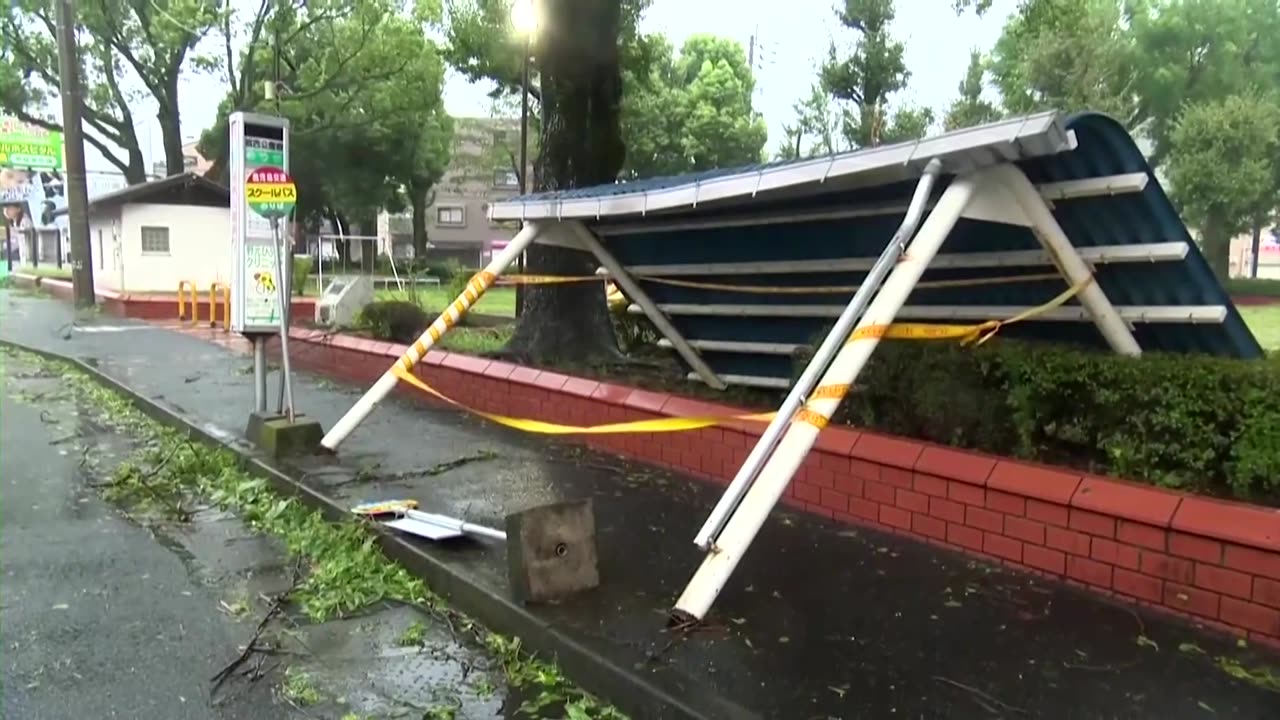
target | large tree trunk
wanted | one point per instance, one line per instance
(171, 131)
(577, 56)
(418, 198)
(1217, 247)
(1256, 247)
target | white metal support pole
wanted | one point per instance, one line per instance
(1064, 255)
(632, 290)
(282, 292)
(803, 431)
(821, 359)
(482, 281)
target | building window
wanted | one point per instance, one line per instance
(506, 179)
(451, 215)
(155, 241)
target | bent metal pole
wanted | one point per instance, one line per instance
(706, 537)
(480, 282)
(756, 505)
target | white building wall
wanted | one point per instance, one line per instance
(105, 250)
(199, 247)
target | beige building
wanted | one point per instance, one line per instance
(486, 152)
(1268, 255)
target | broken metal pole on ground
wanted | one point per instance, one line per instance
(482, 281)
(835, 339)
(802, 432)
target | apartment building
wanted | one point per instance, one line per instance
(486, 152)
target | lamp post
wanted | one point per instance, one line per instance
(524, 19)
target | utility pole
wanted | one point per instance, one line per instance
(73, 145)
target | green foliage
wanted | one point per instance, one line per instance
(127, 51)
(1223, 168)
(970, 108)
(817, 123)
(1194, 51)
(397, 321)
(303, 265)
(445, 269)
(1243, 287)
(865, 76)
(361, 84)
(691, 112)
(300, 688)
(1196, 423)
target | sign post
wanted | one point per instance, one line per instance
(270, 193)
(256, 141)
(262, 196)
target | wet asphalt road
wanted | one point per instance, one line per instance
(103, 615)
(821, 621)
(98, 619)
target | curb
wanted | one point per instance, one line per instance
(671, 696)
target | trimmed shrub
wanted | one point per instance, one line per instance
(1244, 287)
(397, 321)
(1197, 423)
(302, 265)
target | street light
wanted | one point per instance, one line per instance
(524, 18)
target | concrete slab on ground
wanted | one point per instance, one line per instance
(821, 620)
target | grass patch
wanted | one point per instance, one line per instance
(44, 272)
(346, 571)
(476, 341)
(1264, 321)
(500, 301)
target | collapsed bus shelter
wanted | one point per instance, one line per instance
(1053, 226)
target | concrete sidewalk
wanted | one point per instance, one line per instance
(819, 621)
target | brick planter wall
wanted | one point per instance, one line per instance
(147, 307)
(1215, 562)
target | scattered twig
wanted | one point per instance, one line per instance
(50, 420)
(984, 699)
(434, 470)
(277, 606)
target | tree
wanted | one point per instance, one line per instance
(579, 53)
(692, 112)
(361, 87)
(816, 120)
(122, 46)
(871, 71)
(1068, 55)
(1222, 168)
(1201, 50)
(970, 108)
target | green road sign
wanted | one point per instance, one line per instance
(27, 146)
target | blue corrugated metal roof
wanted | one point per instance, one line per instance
(1104, 149)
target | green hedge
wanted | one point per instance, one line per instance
(1202, 424)
(398, 321)
(1240, 287)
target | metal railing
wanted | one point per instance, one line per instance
(187, 285)
(225, 305)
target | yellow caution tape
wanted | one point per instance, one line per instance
(771, 289)
(546, 428)
(976, 334)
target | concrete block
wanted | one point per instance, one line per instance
(551, 551)
(280, 438)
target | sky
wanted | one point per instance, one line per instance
(793, 36)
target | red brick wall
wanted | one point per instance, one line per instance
(152, 307)
(1213, 561)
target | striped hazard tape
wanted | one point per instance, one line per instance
(548, 428)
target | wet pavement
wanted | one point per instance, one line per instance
(108, 613)
(820, 621)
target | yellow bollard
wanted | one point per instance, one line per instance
(182, 306)
(226, 305)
